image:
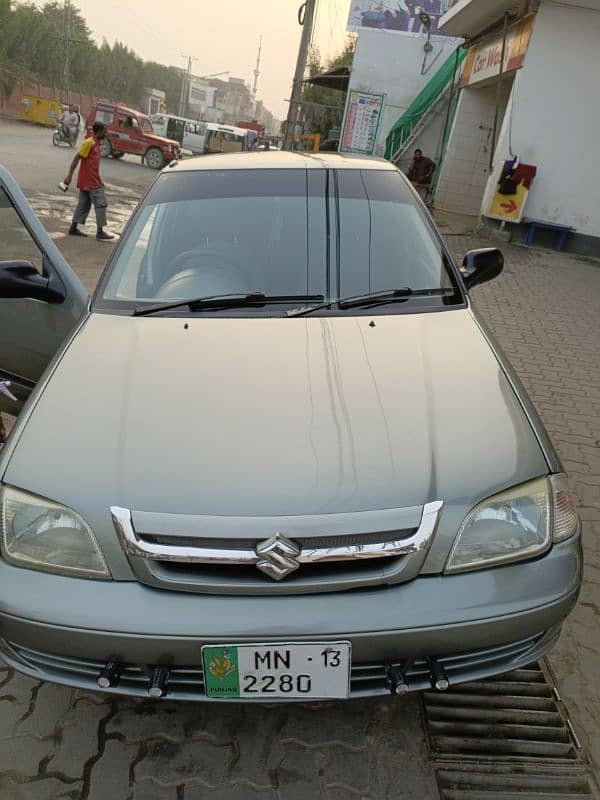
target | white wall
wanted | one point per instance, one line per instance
(556, 117)
(389, 62)
(466, 167)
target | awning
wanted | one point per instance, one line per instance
(337, 78)
(469, 18)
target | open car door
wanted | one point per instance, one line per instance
(41, 298)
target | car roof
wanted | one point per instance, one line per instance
(118, 107)
(278, 159)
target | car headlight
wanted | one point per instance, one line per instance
(40, 534)
(515, 525)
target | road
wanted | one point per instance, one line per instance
(61, 743)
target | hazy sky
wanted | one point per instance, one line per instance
(220, 34)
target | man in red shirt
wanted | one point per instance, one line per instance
(89, 183)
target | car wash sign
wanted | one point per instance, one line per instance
(483, 60)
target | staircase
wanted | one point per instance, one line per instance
(420, 112)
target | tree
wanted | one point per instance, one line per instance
(325, 107)
(50, 62)
(32, 42)
(24, 34)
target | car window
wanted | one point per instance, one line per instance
(106, 117)
(213, 232)
(146, 125)
(16, 243)
(385, 241)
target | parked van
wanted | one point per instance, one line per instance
(225, 139)
(130, 131)
(190, 133)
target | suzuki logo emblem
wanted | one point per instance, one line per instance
(277, 556)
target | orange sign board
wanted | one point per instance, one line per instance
(483, 60)
(509, 207)
(512, 190)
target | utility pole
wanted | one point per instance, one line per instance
(66, 88)
(257, 73)
(185, 87)
(67, 40)
(306, 17)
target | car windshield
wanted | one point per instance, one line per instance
(290, 232)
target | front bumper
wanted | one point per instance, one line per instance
(477, 624)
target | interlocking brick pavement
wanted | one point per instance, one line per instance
(545, 312)
(61, 743)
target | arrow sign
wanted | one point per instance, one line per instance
(510, 207)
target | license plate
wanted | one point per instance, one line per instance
(314, 671)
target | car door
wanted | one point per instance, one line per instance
(138, 138)
(120, 135)
(41, 298)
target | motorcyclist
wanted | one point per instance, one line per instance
(70, 124)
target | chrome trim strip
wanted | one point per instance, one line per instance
(134, 545)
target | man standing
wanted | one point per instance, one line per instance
(89, 183)
(421, 173)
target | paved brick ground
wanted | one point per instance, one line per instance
(545, 312)
(60, 743)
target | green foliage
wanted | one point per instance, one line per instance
(325, 107)
(32, 49)
(24, 34)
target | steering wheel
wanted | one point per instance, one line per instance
(191, 279)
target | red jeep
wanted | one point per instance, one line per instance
(130, 131)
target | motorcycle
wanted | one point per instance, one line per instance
(60, 137)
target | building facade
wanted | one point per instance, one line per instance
(539, 104)
(233, 100)
(399, 66)
(201, 98)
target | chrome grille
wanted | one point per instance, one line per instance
(308, 542)
(319, 563)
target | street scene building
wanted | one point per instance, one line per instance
(536, 105)
(489, 86)
(299, 400)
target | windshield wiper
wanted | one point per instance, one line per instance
(223, 301)
(374, 299)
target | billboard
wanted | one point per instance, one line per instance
(483, 60)
(361, 122)
(396, 15)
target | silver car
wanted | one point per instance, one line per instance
(278, 456)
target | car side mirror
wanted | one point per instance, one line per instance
(21, 279)
(482, 265)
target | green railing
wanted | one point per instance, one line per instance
(407, 123)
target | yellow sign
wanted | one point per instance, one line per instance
(509, 207)
(483, 60)
(315, 138)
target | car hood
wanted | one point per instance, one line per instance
(252, 417)
(160, 140)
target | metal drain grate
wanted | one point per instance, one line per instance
(510, 783)
(505, 738)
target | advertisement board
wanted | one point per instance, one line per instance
(362, 118)
(483, 60)
(396, 15)
(512, 191)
